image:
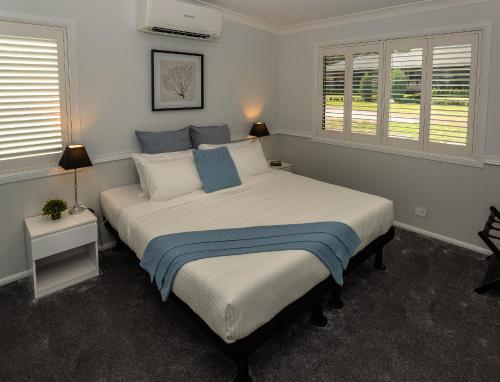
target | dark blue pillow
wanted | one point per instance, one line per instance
(164, 141)
(212, 135)
(216, 168)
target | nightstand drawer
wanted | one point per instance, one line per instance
(62, 241)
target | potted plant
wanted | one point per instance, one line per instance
(54, 208)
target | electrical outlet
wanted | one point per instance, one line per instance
(420, 211)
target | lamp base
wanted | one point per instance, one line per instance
(76, 210)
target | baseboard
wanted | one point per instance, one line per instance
(446, 239)
(108, 245)
(17, 276)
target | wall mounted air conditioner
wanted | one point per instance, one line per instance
(179, 19)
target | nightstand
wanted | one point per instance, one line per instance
(284, 166)
(62, 252)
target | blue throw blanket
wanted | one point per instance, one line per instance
(332, 242)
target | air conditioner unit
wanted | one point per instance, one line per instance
(179, 19)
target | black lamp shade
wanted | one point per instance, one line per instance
(75, 156)
(259, 129)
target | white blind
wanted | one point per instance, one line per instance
(365, 93)
(406, 67)
(451, 78)
(333, 92)
(30, 95)
(416, 93)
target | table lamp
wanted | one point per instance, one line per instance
(259, 129)
(73, 158)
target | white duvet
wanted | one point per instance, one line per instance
(235, 295)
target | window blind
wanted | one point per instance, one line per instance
(30, 103)
(333, 91)
(365, 93)
(416, 93)
(406, 67)
(451, 77)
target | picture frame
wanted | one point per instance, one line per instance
(177, 80)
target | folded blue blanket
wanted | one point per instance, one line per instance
(332, 242)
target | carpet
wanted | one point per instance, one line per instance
(418, 321)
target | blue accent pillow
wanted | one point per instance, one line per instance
(164, 141)
(216, 168)
(212, 135)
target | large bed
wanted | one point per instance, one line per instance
(235, 296)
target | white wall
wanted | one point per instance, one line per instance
(115, 80)
(113, 61)
(457, 197)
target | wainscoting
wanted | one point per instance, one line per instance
(456, 197)
(26, 198)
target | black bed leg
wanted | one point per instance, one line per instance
(337, 297)
(243, 374)
(379, 260)
(317, 317)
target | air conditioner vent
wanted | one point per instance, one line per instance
(179, 33)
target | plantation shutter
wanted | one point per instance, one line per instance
(453, 60)
(365, 92)
(33, 81)
(333, 80)
(404, 93)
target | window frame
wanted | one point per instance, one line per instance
(478, 112)
(68, 96)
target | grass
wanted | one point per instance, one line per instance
(453, 130)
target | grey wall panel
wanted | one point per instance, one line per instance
(22, 199)
(456, 197)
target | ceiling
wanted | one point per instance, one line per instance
(282, 13)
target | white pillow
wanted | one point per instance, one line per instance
(140, 159)
(248, 157)
(167, 179)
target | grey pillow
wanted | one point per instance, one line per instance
(212, 135)
(164, 141)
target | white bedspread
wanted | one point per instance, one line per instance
(235, 295)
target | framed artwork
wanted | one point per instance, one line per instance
(177, 80)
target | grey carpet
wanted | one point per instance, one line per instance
(418, 321)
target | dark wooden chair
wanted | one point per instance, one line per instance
(492, 277)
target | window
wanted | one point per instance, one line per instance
(414, 93)
(33, 95)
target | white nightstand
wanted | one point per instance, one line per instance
(62, 252)
(284, 166)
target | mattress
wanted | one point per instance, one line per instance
(235, 295)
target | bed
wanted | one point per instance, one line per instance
(230, 295)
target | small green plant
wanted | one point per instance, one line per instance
(54, 208)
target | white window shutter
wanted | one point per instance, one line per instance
(366, 92)
(333, 91)
(453, 61)
(404, 92)
(33, 79)
(417, 94)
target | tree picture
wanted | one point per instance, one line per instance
(179, 79)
